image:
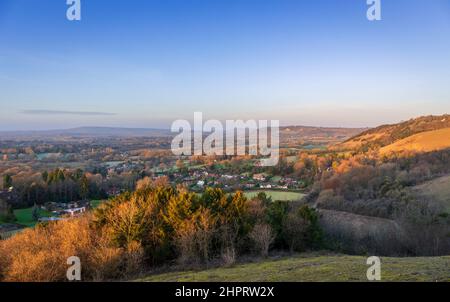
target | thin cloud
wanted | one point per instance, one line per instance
(63, 112)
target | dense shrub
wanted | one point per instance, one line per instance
(301, 229)
(426, 226)
(41, 254)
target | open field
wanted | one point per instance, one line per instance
(315, 268)
(25, 216)
(277, 195)
(96, 203)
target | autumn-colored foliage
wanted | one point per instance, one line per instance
(157, 224)
(41, 254)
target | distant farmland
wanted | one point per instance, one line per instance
(277, 195)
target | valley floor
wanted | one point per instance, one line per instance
(317, 268)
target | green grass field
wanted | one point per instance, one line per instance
(25, 216)
(276, 179)
(96, 203)
(277, 195)
(317, 268)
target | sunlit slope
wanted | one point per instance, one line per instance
(385, 135)
(421, 142)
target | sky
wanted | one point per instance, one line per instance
(146, 63)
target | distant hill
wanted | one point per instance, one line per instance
(88, 132)
(298, 135)
(330, 132)
(386, 135)
(288, 134)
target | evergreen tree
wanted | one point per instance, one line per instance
(84, 187)
(35, 213)
(7, 181)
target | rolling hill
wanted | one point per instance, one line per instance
(292, 135)
(423, 142)
(438, 189)
(421, 134)
(86, 132)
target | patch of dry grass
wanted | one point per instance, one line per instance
(422, 142)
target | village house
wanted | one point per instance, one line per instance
(75, 211)
(259, 177)
(200, 183)
(49, 219)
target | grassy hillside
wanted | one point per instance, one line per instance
(438, 188)
(388, 134)
(315, 267)
(423, 142)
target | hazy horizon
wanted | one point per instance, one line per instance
(168, 128)
(147, 63)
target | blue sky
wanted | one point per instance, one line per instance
(145, 63)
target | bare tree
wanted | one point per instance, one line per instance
(262, 236)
